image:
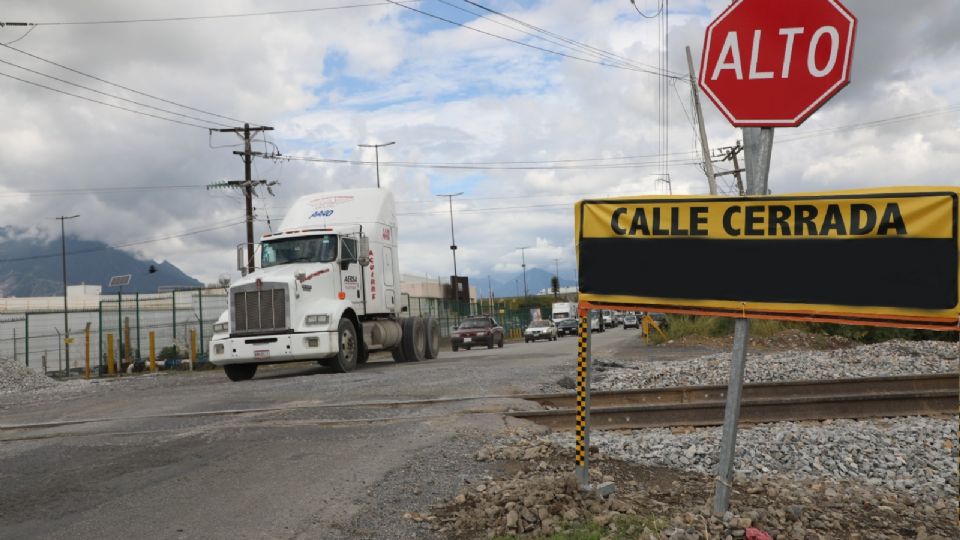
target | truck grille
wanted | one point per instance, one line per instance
(258, 311)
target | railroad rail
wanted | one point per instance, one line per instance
(762, 402)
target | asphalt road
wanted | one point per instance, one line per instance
(298, 452)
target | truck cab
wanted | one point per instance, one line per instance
(327, 289)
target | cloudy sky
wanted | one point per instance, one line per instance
(521, 131)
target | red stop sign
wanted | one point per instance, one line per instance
(774, 62)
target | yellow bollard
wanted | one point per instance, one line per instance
(193, 348)
(86, 356)
(153, 354)
(110, 366)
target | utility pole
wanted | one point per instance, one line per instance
(63, 254)
(523, 258)
(704, 147)
(453, 240)
(248, 182)
(556, 263)
(376, 150)
(730, 153)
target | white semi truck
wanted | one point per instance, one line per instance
(327, 289)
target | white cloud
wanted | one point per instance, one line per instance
(330, 80)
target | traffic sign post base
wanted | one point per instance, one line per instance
(731, 415)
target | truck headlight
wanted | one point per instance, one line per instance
(317, 320)
(221, 328)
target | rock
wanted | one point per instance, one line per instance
(512, 518)
(795, 512)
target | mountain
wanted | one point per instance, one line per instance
(506, 286)
(31, 266)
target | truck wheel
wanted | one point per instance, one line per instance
(455, 348)
(240, 372)
(398, 355)
(346, 358)
(500, 343)
(364, 354)
(432, 344)
(414, 339)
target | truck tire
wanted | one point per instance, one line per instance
(346, 358)
(414, 340)
(398, 355)
(432, 345)
(240, 372)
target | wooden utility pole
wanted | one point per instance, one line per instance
(728, 153)
(248, 183)
(704, 147)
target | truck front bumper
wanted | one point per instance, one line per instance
(273, 348)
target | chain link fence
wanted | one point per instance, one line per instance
(181, 323)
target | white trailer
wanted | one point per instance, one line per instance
(327, 289)
(563, 310)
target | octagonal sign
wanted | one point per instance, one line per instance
(772, 63)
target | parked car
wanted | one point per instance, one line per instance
(596, 322)
(630, 321)
(477, 331)
(567, 327)
(542, 329)
(608, 320)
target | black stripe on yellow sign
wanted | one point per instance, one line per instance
(892, 252)
(581, 427)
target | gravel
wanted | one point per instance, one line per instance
(896, 357)
(15, 377)
(915, 455)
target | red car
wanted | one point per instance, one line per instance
(475, 331)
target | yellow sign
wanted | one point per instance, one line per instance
(884, 257)
(68, 340)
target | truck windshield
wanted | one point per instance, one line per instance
(304, 249)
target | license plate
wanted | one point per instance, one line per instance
(467, 340)
(261, 355)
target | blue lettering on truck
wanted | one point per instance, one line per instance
(322, 213)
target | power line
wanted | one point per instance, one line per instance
(949, 109)
(414, 165)
(127, 88)
(93, 191)
(232, 223)
(104, 103)
(542, 49)
(572, 43)
(114, 96)
(644, 15)
(205, 17)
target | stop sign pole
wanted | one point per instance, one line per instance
(768, 64)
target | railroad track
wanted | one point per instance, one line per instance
(762, 402)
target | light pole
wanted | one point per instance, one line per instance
(66, 326)
(556, 263)
(376, 150)
(523, 257)
(453, 240)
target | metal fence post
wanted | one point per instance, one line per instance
(200, 301)
(26, 338)
(100, 340)
(173, 295)
(583, 401)
(86, 354)
(193, 348)
(731, 416)
(139, 354)
(119, 332)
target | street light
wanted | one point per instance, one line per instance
(66, 326)
(453, 240)
(524, 266)
(376, 149)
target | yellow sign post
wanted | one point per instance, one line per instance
(153, 353)
(110, 366)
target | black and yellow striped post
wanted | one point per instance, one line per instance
(583, 400)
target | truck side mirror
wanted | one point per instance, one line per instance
(241, 263)
(363, 250)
